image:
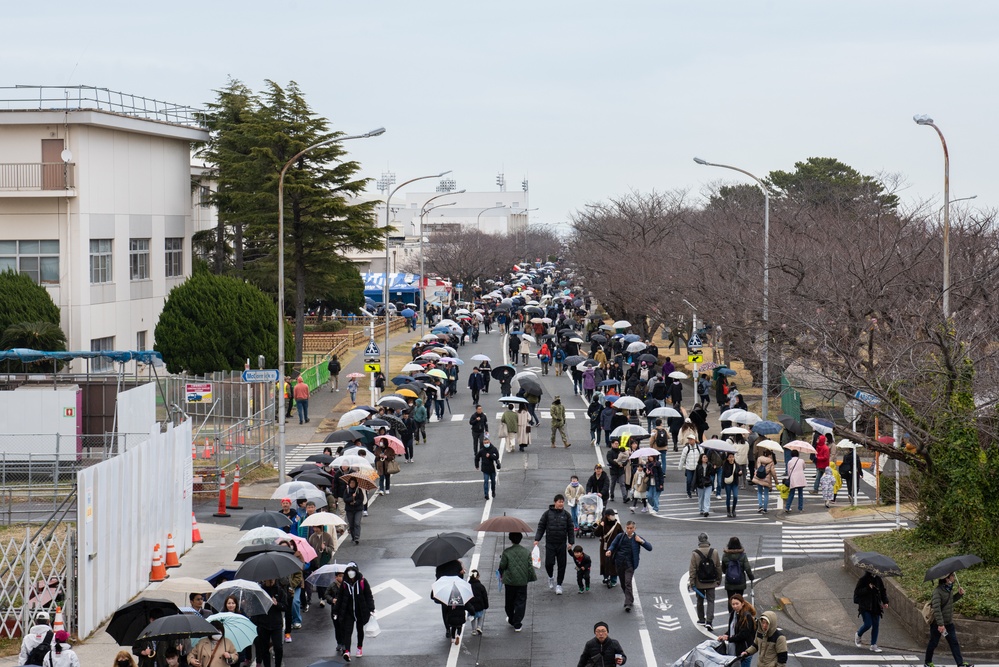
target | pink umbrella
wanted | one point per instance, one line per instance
(394, 443)
(801, 446)
(302, 544)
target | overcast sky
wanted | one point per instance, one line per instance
(586, 99)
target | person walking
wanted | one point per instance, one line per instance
(769, 645)
(821, 460)
(871, 599)
(352, 388)
(704, 576)
(731, 476)
(765, 478)
(558, 421)
(488, 460)
(626, 552)
(479, 424)
(688, 462)
(508, 428)
(545, 357)
(608, 529)
(479, 603)
(602, 651)
(741, 630)
(354, 608)
(657, 480)
(704, 391)
(354, 501)
(523, 427)
(735, 567)
(269, 625)
(516, 573)
(334, 369)
(385, 466)
(525, 350)
(556, 527)
(942, 623)
(476, 383)
(704, 475)
(640, 486)
(214, 651)
(795, 473)
(420, 418)
(599, 483)
(573, 492)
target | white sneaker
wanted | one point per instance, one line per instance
(875, 648)
(856, 641)
(558, 590)
(551, 583)
(387, 492)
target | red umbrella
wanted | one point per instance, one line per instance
(394, 443)
(886, 440)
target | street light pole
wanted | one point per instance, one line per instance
(479, 216)
(280, 291)
(766, 279)
(423, 213)
(926, 120)
(388, 225)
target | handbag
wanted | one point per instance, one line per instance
(730, 479)
(392, 467)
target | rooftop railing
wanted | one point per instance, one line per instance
(76, 98)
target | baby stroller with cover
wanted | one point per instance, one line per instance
(706, 655)
(590, 509)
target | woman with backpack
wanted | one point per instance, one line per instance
(735, 567)
(545, 357)
(764, 478)
(61, 655)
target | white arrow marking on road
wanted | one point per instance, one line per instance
(668, 623)
(661, 603)
(408, 597)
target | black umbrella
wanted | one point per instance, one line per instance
(876, 563)
(396, 423)
(131, 619)
(504, 372)
(341, 436)
(315, 478)
(246, 553)
(596, 317)
(306, 468)
(178, 625)
(441, 549)
(270, 565)
(266, 518)
(648, 358)
(377, 423)
(600, 338)
(574, 360)
(325, 459)
(791, 424)
(590, 363)
(531, 386)
(547, 337)
(952, 564)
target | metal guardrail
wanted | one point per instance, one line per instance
(37, 176)
(74, 98)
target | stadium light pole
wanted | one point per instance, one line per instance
(281, 362)
(765, 384)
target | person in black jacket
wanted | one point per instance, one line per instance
(559, 533)
(741, 626)
(487, 459)
(353, 502)
(602, 651)
(479, 424)
(354, 607)
(270, 634)
(479, 603)
(871, 599)
(476, 383)
(599, 482)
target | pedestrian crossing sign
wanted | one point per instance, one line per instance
(695, 358)
(372, 368)
(372, 350)
(694, 341)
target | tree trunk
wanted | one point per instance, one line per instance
(237, 248)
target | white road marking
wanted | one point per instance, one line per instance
(410, 510)
(408, 597)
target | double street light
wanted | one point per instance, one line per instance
(280, 291)
(926, 120)
(766, 279)
(423, 214)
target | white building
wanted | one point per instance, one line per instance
(96, 205)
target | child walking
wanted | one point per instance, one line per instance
(352, 388)
(583, 564)
(478, 604)
(826, 485)
(640, 487)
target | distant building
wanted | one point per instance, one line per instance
(96, 205)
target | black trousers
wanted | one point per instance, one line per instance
(583, 579)
(516, 604)
(267, 639)
(553, 555)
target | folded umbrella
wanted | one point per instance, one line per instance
(238, 628)
(952, 564)
(269, 565)
(875, 563)
(441, 549)
(129, 620)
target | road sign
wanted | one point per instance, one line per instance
(440, 292)
(372, 350)
(459, 286)
(372, 368)
(694, 341)
(695, 358)
(867, 398)
(263, 375)
(198, 392)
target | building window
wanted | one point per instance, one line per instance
(174, 257)
(38, 260)
(140, 340)
(138, 259)
(204, 196)
(100, 261)
(101, 364)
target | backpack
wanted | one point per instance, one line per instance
(734, 574)
(761, 472)
(37, 655)
(706, 570)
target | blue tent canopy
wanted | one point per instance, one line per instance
(25, 355)
(402, 286)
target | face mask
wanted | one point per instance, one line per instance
(574, 484)
(123, 663)
(216, 637)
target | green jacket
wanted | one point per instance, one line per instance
(558, 414)
(747, 571)
(509, 420)
(943, 604)
(515, 566)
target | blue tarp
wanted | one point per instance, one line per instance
(26, 355)
(402, 286)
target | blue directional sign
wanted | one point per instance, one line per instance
(264, 375)
(459, 286)
(867, 398)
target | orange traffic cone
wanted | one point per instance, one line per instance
(158, 572)
(59, 624)
(206, 453)
(195, 531)
(234, 494)
(194, 451)
(171, 553)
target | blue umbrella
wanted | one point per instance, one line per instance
(516, 333)
(408, 312)
(238, 628)
(823, 426)
(440, 330)
(725, 371)
(609, 383)
(611, 399)
(767, 427)
(631, 338)
(401, 380)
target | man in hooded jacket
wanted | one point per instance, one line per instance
(770, 645)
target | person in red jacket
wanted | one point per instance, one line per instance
(821, 461)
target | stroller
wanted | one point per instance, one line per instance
(705, 655)
(590, 510)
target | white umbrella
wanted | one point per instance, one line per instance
(411, 368)
(252, 599)
(847, 444)
(429, 337)
(748, 419)
(351, 460)
(735, 430)
(433, 356)
(638, 346)
(621, 324)
(323, 519)
(768, 444)
(719, 445)
(514, 399)
(629, 403)
(289, 489)
(183, 585)
(678, 375)
(530, 338)
(728, 415)
(530, 373)
(481, 357)
(818, 426)
(630, 429)
(352, 417)
(452, 591)
(576, 339)
(664, 412)
(261, 535)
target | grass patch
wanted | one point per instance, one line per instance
(259, 474)
(981, 583)
(9, 647)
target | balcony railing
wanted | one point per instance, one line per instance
(36, 176)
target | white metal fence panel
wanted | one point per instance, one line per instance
(127, 505)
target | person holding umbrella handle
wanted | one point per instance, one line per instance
(942, 623)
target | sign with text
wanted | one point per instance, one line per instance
(262, 375)
(199, 392)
